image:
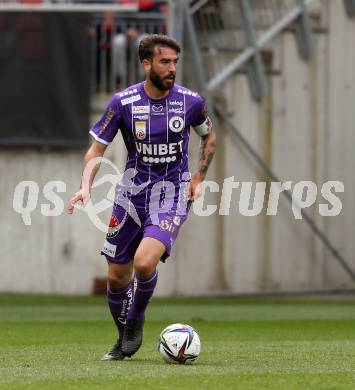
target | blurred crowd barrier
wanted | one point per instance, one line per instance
(116, 37)
(116, 28)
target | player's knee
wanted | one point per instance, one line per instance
(118, 280)
(144, 266)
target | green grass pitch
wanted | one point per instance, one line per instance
(51, 342)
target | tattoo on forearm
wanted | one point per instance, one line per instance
(207, 150)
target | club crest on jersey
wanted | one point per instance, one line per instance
(176, 124)
(140, 128)
(113, 227)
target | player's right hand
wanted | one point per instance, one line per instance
(81, 197)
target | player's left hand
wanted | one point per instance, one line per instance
(194, 190)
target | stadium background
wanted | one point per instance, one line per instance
(280, 76)
(301, 125)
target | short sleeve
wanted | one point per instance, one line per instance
(105, 129)
(200, 120)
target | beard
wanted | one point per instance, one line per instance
(162, 83)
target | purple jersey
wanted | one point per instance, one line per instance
(156, 134)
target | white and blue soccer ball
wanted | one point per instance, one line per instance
(179, 344)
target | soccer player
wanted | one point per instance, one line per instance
(155, 193)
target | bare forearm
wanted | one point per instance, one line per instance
(207, 150)
(91, 165)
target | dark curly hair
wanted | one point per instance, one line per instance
(148, 43)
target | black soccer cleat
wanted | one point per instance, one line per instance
(133, 336)
(115, 353)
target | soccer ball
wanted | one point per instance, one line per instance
(179, 344)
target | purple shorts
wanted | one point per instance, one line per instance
(124, 234)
